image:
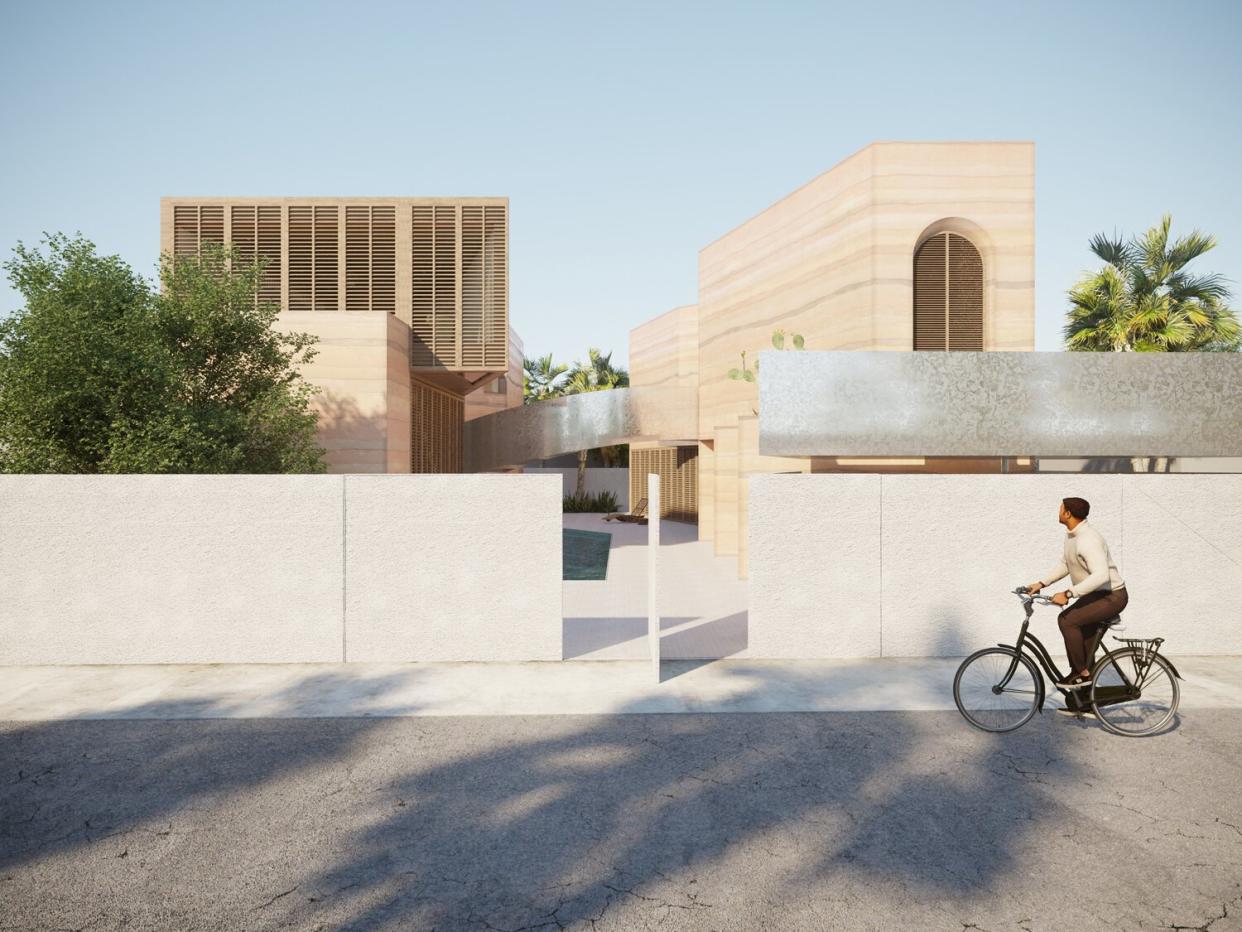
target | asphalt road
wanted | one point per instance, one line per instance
(878, 820)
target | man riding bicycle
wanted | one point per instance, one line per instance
(1097, 586)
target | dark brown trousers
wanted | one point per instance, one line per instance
(1081, 622)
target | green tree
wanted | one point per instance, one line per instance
(99, 373)
(1144, 299)
(542, 379)
(595, 375)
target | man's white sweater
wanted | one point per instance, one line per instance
(1087, 562)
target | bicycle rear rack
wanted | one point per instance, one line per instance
(1147, 647)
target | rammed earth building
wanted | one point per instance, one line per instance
(409, 298)
(903, 246)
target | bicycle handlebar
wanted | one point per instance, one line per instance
(1032, 597)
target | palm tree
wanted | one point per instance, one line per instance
(542, 379)
(1144, 299)
(597, 374)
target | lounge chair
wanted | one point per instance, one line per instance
(637, 515)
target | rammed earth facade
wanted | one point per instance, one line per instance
(903, 246)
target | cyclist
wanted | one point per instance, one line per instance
(1097, 586)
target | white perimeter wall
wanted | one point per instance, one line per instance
(598, 479)
(913, 566)
(279, 569)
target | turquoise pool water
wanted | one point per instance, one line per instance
(584, 554)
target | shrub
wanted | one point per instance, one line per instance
(577, 504)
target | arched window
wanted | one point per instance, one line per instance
(948, 294)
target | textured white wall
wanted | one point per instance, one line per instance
(459, 567)
(598, 479)
(1183, 561)
(170, 569)
(953, 546)
(272, 569)
(914, 565)
(814, 566)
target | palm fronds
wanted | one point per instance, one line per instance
(1143, 300)
(542, 378)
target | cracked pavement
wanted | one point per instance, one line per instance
(873, 820)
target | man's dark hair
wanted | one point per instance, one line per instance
(1078, 507)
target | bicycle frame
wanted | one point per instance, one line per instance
(1029, 645)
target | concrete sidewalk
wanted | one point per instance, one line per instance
(567, 688)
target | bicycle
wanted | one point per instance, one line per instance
(1133, 691)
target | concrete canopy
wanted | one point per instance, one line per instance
(1000, 404)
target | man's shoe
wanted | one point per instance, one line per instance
(1084, 713)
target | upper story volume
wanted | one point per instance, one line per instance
(441, 265)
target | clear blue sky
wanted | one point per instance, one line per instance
(627, 135)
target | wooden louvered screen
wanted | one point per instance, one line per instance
(433, 312)
(301, 257)
(185, 230)
(678, 469)
(495, 288)
(324, 255)
(436, 419)
(313, 252)
(965, 295)
(255, 233)
(370, 258)
(929, 295)
(193, 226)
(210, 225)
(444, 325)
(472, 287)
(948, 294)
(459, 302)
(327, 245)
(423, 285)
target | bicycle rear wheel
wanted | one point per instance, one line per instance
(1143, 701)
(984, 702)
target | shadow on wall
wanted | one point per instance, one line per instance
(507, 826)
(353, 441)
(956, 637)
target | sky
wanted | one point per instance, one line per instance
(627, 135)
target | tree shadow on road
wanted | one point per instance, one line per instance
(67, 784)
(555, 821)
(582, 820)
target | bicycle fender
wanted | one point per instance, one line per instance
(1171, 667)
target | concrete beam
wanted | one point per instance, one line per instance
(1000, 404)
(579, 422)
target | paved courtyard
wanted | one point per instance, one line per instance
(873, 820)
(703, 603)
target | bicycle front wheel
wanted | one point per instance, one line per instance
(1132, 697)
(990, 702)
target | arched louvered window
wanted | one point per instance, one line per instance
(948, 294)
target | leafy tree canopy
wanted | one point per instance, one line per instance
(1145, 299)
(99, 373)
